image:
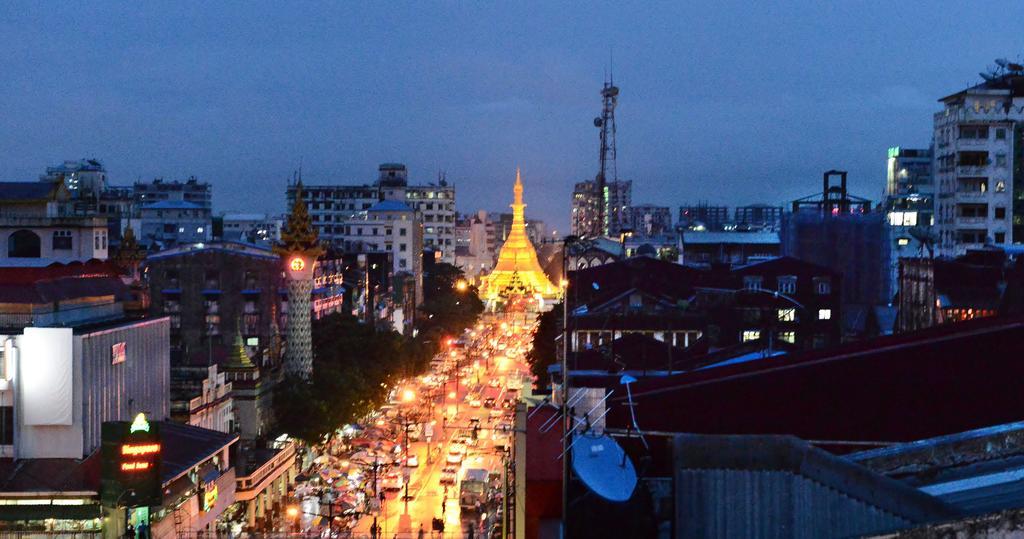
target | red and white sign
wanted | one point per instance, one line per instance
(117, 353)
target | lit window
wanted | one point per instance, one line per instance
(787, 315)
(822, 285)
(751, 335)
(199, 230)
(252, 341)
(787, 284)
(787, 336)
(181, 230)
(824, 314)
(1000, 187)
(903, 242)
(752, 282)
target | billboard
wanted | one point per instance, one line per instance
(45, 367)
(131, 454)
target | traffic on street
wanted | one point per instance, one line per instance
(435, 461)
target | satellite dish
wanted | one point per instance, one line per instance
(603, 467)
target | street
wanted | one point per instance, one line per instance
(437, 452)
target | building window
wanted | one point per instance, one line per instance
(402, 247)
(24, 244)
(401, 263)
(753, 282)
(1000, 237)
(1000, 133)
(1001, 160)
(751, 335)
(903, 242)
(401, 231)
(1000, 186)
(787, 284)
(819, 340)
(824, 314)
(787, 336)
(787, 315)
(1000, 213)
(822, 286)
(62, 240)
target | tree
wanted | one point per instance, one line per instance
(355, 366)
(544, 352)
(446, 310)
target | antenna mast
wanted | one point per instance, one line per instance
(606, 123)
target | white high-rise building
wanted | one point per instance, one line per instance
(331, 206)
(975, 137)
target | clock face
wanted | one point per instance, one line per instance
(297, 264)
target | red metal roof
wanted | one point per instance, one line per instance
(904, 387)
(59, 282)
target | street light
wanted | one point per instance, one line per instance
(461, 285)
(408, 395)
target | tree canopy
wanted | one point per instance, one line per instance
(543, 353)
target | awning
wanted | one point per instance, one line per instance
(40, 512)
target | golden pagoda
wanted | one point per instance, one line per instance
(517, 272)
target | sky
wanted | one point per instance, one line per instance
(725, 102)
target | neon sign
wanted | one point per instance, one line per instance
(135, 450)
(297, 264)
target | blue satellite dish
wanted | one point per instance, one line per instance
(598, 462)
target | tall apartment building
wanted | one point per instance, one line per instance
(703, 215)
(909, 205)
(330, 206)
(586, 203)
(390, 226)
(979, 191)
(650, 220)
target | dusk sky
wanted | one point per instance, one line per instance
(729, 102)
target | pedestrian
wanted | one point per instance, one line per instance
(469, 534)
(421, 533)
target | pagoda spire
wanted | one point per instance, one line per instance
(517, 271)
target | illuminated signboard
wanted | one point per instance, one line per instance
(298, 264)
(210, 496)
(117, 353)
(131, 456)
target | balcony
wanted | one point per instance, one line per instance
(971, 196)
(971, 220)
(274, 463)
(971, 170)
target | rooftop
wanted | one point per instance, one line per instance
(764, 238)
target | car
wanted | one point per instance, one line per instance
(494, 382)
(508, 403)
(496, 412)
(454, 458)
(449, 475)
(412, 462)
(457, 447)
(475, 403)
(489, 402)
(392, 481)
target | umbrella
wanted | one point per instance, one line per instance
(361, 442)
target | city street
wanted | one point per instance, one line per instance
(458, 418)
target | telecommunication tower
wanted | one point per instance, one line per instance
(606, 123)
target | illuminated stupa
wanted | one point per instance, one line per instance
(517, 272)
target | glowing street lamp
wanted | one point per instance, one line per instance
(461, 285)
(408, 395)
(292, 511)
